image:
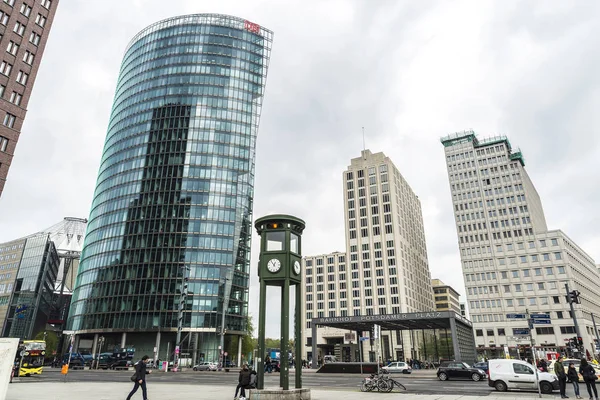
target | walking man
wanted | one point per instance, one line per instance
(140, 378)
(559, 371)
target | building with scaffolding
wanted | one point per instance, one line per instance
(35, 279)
(512, 264)
(165, 265)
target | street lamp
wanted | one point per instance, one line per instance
(100, 343)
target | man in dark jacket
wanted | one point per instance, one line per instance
(559, 371)
(140, 378)
(243, 382)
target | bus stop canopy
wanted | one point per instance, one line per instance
(461, 329)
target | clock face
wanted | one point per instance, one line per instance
(274, 265)
(296, 267)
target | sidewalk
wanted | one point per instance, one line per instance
(111, 391)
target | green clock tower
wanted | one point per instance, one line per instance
(279, 265)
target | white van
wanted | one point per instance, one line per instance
(505, 375)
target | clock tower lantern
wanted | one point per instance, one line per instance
(279, 265)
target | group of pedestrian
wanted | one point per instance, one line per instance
(572, 375)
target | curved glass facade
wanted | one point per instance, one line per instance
(172, 209)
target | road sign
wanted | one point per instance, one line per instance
(541, 321)
(515, 316)
(176, 349)
(521, 331)
(364, 338)
(539, 316)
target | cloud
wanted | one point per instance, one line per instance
(409, 72)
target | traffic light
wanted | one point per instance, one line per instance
(580, 341)
(573, 297)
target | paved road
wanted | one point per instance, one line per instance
(423, 382)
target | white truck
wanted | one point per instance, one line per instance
(506, 375)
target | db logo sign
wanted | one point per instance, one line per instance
(251, 27)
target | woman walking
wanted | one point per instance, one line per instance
(589, 377)
(140, 378)
(574, 378)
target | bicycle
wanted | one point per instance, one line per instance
(390, 383)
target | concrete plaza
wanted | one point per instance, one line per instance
(163, 391)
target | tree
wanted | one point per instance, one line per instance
(51, 342)
(248, 343)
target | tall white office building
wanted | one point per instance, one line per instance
(384, 269)
(511, 262)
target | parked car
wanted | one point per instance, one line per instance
(506, 375)
(396, 367)
(576, 362)
(104, 360)
(205, 366)
(459, 370)
(121, 364)
(481, 365)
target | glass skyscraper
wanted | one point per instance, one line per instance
(168, 239)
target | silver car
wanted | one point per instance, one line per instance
(397, 367)
(205, 366)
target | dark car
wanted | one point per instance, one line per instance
(481, 365)
(459, 370)
(121, 364)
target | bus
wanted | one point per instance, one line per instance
(31, 357)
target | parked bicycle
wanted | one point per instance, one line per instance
(381, 382)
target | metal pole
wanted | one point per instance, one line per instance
(575, 321)
(222, 355)
(596, 332)
(537, 379)
(260, 362)
(298, 337)
(284, 375)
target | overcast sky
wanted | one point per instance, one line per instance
(408, 71)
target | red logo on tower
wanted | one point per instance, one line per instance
(252, 27)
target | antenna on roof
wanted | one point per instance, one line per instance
(364, 146)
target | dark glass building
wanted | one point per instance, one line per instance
(170, 223)
(31, 288)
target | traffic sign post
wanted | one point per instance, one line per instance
(515, 316)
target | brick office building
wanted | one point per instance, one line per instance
(24, 29)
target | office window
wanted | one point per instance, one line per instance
(19, 28)
(9, 120)
(5, 68)
(561, 270)
(28, 57)
(490, 332)
(479, 332)
(15, 98)
(556, 299)
(558, 256)
(34, 38)
(46, 4)
(2, 89)
(10, 2)
(40, 20)
(549, 271)
(12, 48)
(25, 10)
(554, 242)
(3, 143)
(22, 79)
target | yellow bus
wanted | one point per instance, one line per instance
(32, 355)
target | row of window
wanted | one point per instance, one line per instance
(45, 3)
(517, 331)
(6, 68)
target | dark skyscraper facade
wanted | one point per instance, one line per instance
(24, 29)
(168, 240)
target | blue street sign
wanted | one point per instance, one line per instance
(539, 316)
(515, 316)
(364, 338)
(520, 331)
(541, 321)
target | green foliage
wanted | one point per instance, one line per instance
(51, 342)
